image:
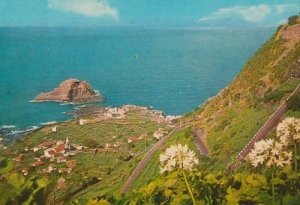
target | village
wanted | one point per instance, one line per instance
(58, 156)
(120, 113)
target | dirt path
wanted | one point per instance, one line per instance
(271, 123)
(199, 136)
(142, 164)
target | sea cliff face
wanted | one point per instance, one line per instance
(71, 90)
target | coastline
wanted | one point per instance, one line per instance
(11, 133)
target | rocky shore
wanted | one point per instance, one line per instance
(71, 90)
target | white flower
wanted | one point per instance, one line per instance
(269, 152)
(177, 157)
(289, 130)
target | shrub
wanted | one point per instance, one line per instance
(293, 20)
(294, 103)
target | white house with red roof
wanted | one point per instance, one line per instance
(58, 150)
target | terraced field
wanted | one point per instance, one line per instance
(94, 170)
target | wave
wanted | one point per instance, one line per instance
(7, 126)
(29, 129)
(16, 132)
(48, 123)
(79, 107)
(97, 92)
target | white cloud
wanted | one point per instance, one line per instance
(89, 8)
(282, 8)
(254, 13)
(248, 13)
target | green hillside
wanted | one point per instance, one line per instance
(230, 119)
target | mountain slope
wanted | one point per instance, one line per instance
(229, 120)
(236, 114)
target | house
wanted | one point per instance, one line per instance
(132, 139)
(71, 164)
(82, 122)
(50, 168)
(37, 163)
(25, 171)
(61, 183)
(18, 158)
(78, 147)
(158, 134)
(64, 170)
(142, 136)
(58, 150)
(54, 129)
(44, 145)
(61, 159)
(107, 146)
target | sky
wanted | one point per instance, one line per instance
(206, 13)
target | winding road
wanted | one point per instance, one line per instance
(200, 142)
(271, 123)
(198, 137)
(142, 164)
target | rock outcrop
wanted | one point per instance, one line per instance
(71, 90)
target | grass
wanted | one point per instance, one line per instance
(110, 168)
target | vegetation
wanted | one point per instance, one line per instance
(293, 20)
(16, 189)
(231, 119)
(94, 170)
(228, 122)
(272, 179)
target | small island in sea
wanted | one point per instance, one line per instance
(71, 90)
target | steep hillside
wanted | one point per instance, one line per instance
(232, 117)
(229, 120)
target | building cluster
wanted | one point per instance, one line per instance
(158, 134)
(120, 113)
(55, 152)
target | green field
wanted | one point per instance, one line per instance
(94, 174)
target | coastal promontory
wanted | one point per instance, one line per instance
(71, 90)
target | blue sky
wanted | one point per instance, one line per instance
(83, 13)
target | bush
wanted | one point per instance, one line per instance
(294, 103)
(293, 20)
(91, 143)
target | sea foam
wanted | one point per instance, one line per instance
(7, 126)
(48, 123)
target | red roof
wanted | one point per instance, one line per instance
(71, 164)
(134, 139)
(59, 148)
(51, 152)
(37, 163)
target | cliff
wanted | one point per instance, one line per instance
(71, 90)
(232, 118)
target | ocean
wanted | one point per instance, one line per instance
(170, 69)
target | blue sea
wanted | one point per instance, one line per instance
(171, 69)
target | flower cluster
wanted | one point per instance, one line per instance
(269, 152)
(289, 130)
(177, 157)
